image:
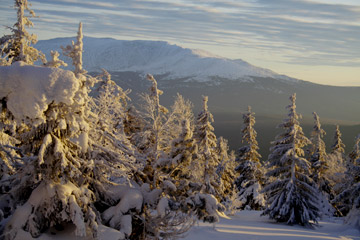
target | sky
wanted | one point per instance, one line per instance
(313, 40)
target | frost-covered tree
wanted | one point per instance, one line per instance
(336, 163)
(318, 149)
(354, 154)
(151, 140)
(55, 61)
(115, 157)
(182, 152)
(17, 46)
(338, 146)
(318, 159)
(349, 199)
(181, 110)
(206, 164)
(75, 51)
(292, 195)
(177, 167)
(50, 187)
(110, 105)
(249, 170)
(165, 212)
(226, 175)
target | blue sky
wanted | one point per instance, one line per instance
(314, 40)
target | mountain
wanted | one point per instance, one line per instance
(231, 85)
(157, 57)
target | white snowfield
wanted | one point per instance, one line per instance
(249, 225)
(157, 57)
(245, 225)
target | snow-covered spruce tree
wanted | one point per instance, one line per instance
(17, 46)
(115, 157)
(338, 146)
(75, 51)
(162, 217)
(205, 166)
(354, 154)
(181, 110)
(336, 172)
(182, 152)
(349, 199)
(110, 105)
(292, 196)
(249, 170)
(177, 168)
(150, 142)
(50, 187)
(225, 172)
(318, 150)
(318, 158)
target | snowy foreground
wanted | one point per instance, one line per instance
(245, 225)
(248, 225)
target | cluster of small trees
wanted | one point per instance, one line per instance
(150, 172)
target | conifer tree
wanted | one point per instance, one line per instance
(206, 141)
(17, 47)
(250, 170)
(183, 151)
(338, 146)
(225, 176)
(75, 51)
(318, 159)
(50, 187)
(354, 154)
(336, 163)
(349, 199)
(292, 196)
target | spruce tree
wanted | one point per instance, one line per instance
(336, 162)
(249, 170)
(50, 185)
(292, 195)
(354, 154)
(17, 47)
(225, 176)
(338, 146)
(207, 163)
(318, 159)
(349, 198)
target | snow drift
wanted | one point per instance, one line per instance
(30, 89)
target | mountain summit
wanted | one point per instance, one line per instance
(158, 57)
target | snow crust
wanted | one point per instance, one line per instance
(249, 225)
(157, 57)
(30, 89)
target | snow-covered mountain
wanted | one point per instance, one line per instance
(157, 57)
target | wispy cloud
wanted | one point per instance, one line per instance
(296, 31)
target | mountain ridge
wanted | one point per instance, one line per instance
(158, 57)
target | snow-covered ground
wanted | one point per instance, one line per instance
(245, 225)
(249, 225)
